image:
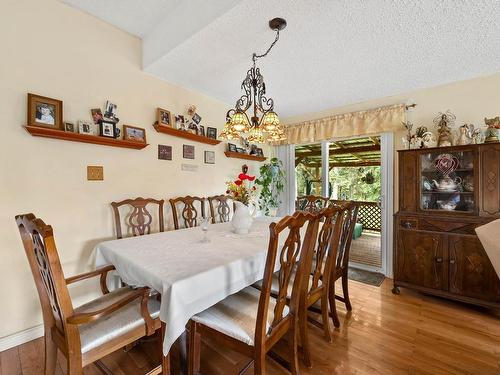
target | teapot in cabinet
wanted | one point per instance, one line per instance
(447, 184)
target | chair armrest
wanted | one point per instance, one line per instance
(101, 271)
(87, 317)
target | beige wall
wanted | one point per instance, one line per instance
(54, 50)
(470, 100)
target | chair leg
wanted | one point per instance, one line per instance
(74, 366)
(259, 365)
(333, 306)
(294, 351)
(304, 337)
(50, 355)
(345, 289)
(325, 317)
(194, 348)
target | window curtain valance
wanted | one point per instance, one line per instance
(362, 123)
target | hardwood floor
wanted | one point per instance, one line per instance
(385, 334)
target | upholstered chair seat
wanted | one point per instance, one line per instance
(236, 315)
(119, 323)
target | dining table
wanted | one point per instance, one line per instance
(190, 274)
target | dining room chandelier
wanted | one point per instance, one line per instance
(263, 123)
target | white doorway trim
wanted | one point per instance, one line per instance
(387, 201)
(325, 168)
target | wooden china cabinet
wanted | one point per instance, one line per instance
(444, 194)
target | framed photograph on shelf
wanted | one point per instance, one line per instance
(188, 152)
(209, 157)
(85, 127)
(196, 119)
(133, 133)
(45, 112)
(69, 127)
(201, 130)
(107, 129)
(212, 133)
(164, 117)
(110, 111)
(96, 115)
(231, 147)
(240, 150)
(259, 152)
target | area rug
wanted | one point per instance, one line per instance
(366, 277)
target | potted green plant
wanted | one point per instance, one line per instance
(272, 182)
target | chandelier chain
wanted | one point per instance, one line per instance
(255, 56)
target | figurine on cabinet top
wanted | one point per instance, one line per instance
(491, 135)
(444, 122)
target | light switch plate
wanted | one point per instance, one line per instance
(95, 173)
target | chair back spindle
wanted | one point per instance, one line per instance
(311, 203)
(189, 214)
(140, 219)
(219, 208)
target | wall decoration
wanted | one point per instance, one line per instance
(231, 147)
(45, 112)
(241, 150)
(110, 112)
(133, 133)
(96, 115)
(260, 152)
(212, 133)
(188, 152)
(164, 117)
(85, 128)
(201, 130)
(164, 152)
(107, 129)
(69, 127)
(209, 157)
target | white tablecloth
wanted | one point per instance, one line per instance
(489, 235)
(191, 276)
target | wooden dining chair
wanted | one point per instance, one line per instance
(341, 269)
(140, 219)
(220, 211)
(87, 333)
(189, 214)
(250, 321)
(311, 203)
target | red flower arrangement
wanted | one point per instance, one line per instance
(242, 188)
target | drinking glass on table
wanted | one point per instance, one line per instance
(204, 223)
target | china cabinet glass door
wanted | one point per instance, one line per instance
(447, 181)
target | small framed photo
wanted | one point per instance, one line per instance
(259, 151)
(69, 127)
(179, 122)
(133, 133)
(164, 117)
(96, 115)
(188, 152)
(240, 150)
(107, 129)
(45, 112)
(209, 157)
(212, 133)
(85, 127)
(110, 111)
(201, 130)
(196, 118)
(231, 147)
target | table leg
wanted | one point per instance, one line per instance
(165, 360)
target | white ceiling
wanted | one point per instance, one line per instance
(332, 53)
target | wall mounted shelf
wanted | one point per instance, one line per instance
(239, 155)
(183, 134)
(37, 131)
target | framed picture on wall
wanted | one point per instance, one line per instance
(231, 147)
(188, 152)
(107, 129)
(209, 157)
(164, 117)
(45, 112)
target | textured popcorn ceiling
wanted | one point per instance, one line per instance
(333, 52)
